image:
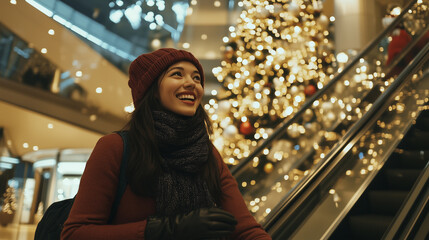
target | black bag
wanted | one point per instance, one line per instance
(52, 222)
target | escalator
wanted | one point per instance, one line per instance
(375, 210)
(377, 187)
(282, 197)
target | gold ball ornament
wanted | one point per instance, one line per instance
(293, 8)
(224, 107)
(230, 132)
(323, 21)
(308, 115)
(268, 168)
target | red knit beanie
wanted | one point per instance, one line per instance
(148, 67)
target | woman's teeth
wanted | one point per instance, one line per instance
(186, 97)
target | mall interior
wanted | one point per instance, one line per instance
(319, 107)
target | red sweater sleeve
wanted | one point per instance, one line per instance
(247, 228)
(91, 209)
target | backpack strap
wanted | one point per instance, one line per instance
(122, 185)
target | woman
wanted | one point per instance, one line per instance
(178, 185)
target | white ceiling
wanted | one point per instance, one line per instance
(24, 126)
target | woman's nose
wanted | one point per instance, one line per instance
(189, 82)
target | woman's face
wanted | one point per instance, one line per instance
(180, 88)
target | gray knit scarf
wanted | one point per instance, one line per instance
(184, 149)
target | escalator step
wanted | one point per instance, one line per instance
(386, 202)
(369, 226)
(401, 179)
(422, 123)
(415, 139)
(409, 159)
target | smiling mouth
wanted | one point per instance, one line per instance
(186, 97)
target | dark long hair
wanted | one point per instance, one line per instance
(144, 165)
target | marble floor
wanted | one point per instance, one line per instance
(17, 232)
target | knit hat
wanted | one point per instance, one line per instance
(148, 67)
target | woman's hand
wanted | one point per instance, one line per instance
(204, 223)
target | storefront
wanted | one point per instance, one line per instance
(55, 176)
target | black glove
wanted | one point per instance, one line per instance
(204, 223)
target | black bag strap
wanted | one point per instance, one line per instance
(122, 185)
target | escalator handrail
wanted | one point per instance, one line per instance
(309, 183)
(288, 121)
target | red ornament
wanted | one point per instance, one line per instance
(246, 128)
(310, 90)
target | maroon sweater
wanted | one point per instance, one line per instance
(91, 209)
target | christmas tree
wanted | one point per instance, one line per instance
(278, 55)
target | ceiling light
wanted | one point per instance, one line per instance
(133, 14)
(149, 17)
(152, 26)
(129, 108)
(156, 43)
(119, 3)
(5, 165)
(159, 20)
(116, 15)
(160, 5)
(93, 117)
(44, 50)
(71, 168)
(41, 8)
(186, 45)
(189, 11)
(150, 3)
(45, 163)
(9, 160)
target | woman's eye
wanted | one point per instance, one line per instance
(197, 78)
(176, 74)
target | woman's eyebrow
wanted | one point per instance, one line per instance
(182, 69)
(171, 69)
